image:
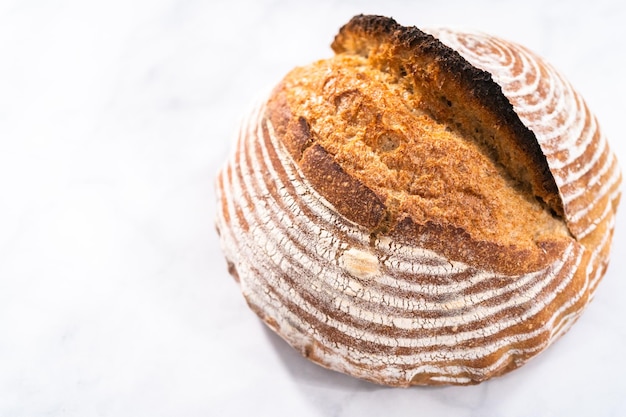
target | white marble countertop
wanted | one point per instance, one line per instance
(114, 296)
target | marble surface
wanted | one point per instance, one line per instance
(114, 297)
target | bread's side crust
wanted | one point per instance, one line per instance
(414, 316)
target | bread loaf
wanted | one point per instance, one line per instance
(414, 213)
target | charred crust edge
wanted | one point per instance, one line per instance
(358, 203)
(478, 83)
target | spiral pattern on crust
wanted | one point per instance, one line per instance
(391, 313)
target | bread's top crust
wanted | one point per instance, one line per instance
(407, 139)
(447, 76)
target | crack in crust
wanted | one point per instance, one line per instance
(411, 53)
(451, 206)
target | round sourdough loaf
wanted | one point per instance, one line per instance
(419, 209)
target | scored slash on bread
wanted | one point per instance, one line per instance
(392, 213)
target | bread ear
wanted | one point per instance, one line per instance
(458, 93)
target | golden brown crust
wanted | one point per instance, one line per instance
(369, 143)
(347, 194)
(456, 243)
(403, 49)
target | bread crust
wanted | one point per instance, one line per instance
(584, 167)
(369, 271)
(375, 210)
(400, 46)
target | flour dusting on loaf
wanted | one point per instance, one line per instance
(578, 154)
(409, 214)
